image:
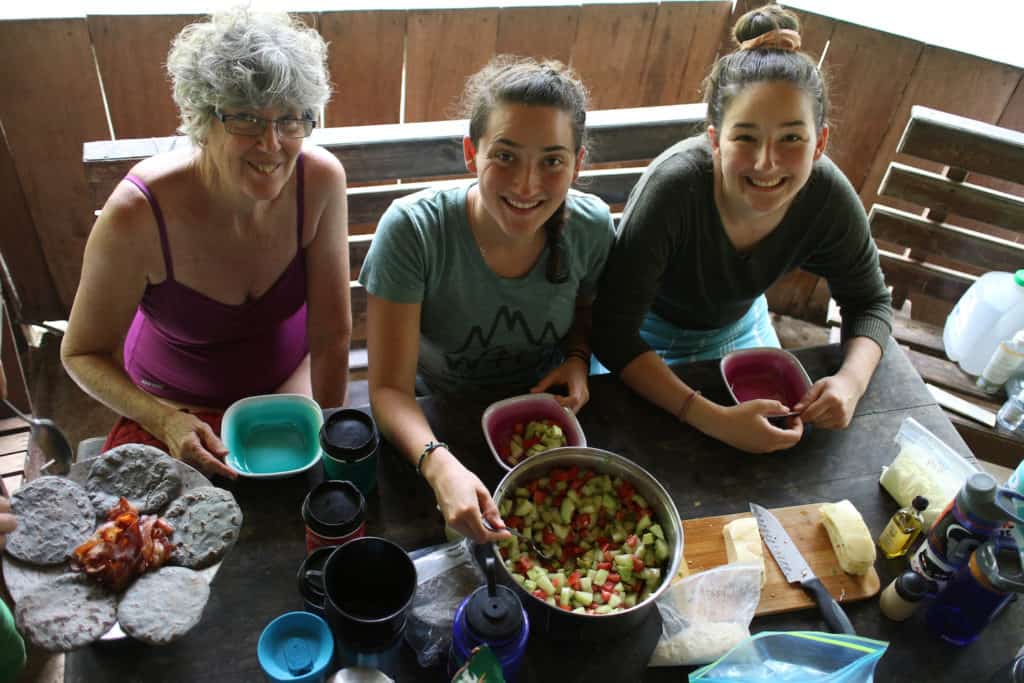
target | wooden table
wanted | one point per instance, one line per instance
(705, 477)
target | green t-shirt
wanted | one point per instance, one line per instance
(477, 328)
(12, 648)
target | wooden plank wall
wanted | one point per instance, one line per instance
(629, 54)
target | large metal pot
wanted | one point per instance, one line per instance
(566, 625)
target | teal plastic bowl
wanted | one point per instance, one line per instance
(271, 436)
(296, 647)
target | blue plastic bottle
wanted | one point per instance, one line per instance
(977, 592)
(491, 615)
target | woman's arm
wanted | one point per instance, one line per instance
(744, 426)
(114, 276)
(392, 339)
(831, 401)
(329, 323)
(573, 371)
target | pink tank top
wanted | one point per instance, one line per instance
(186, 347)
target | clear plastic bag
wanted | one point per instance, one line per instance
(446, 575)
(797, 657)
(707, 614)
(925, 466)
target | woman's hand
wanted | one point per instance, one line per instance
(573, 375)
(193, 441)
(746, 426)
(830, 402)
(465, 502)
(7, 521)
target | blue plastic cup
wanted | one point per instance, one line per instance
(296, 647)
(350, 444)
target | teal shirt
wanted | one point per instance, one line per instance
(477, 328)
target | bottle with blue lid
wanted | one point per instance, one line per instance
(492, 615)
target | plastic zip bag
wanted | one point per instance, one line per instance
(707, 614)
(925, 466)
(446, 575)
(797, 657)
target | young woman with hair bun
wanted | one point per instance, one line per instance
(488, 283)
(716, 219)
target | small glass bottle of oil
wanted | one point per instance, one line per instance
(903, 529)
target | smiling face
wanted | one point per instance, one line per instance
(765, 149)
(259, 166)
(525, 162)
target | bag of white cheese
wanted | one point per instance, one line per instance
(707, 614)
(925, 466)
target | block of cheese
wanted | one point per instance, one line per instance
(849, 535)
(743, 542)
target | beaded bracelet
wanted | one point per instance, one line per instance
(427, 450)
(681, 415)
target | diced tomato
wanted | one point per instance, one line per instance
(603, 543)
(614, 578)
(604, 565)
(539, 497)
(608, 555)
(638, 565)
(532, 441)
(557, 501)
(515, 522)
(533, 486)
(556, 582)
(540, 594)
(518, 429)
(606, 595)
(632, 540)
(573, 472)
(619, 514)
(582, 521)
(570, 536)
(626, 491)
(574, 581)
(548, 537)
(567, 608)
(576, 484)
(525, 563)
(558, 475)
(608, 586)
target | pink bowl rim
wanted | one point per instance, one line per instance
(782, 353)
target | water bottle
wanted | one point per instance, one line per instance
(991, 311)
(492, 615)
(1010, 418)
(979, 509)
(1015, 384)
(1007, 359)
(977, 591)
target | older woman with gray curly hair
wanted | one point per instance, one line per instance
(223, 268)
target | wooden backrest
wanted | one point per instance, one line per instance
(377, 157)
(969, 227)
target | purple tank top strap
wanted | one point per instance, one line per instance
(159, 215)
(300, 200)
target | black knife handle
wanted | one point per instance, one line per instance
(834, 615)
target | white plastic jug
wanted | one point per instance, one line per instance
(989, 312)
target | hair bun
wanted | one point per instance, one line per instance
(773, 26)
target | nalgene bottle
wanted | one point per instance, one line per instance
(977, 592)
(979, 509)
(492, 615)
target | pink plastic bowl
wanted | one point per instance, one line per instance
(765, 373)
(500, 419)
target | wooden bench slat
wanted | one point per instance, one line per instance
(14, 443)
(12, 463)
(926, 278)
(964, 199)
(946, 374)
(966, 143)
(427, 149)
(925, 237)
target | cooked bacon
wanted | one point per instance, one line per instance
(124, 547)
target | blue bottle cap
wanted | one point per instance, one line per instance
(493, 612)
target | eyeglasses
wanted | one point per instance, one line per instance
(252, 126)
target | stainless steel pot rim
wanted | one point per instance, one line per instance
(639, 477)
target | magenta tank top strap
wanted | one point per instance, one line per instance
(159, 215)
(300, 199)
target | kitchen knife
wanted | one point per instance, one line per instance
(796, 569)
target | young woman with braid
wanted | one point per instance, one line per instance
(488, 283)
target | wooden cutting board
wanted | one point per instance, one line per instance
(704, 548)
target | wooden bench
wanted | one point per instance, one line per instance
(385, 162)
(938, 231)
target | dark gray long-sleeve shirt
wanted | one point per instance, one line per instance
(672, 256)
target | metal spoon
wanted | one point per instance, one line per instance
(523, 537)
(50, 440)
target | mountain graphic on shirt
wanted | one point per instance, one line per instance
(481, 356)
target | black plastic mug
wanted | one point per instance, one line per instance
(310, 580)
(369, 584)
(350, 443)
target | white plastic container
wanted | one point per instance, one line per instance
(1006, 360)
(991, 311)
